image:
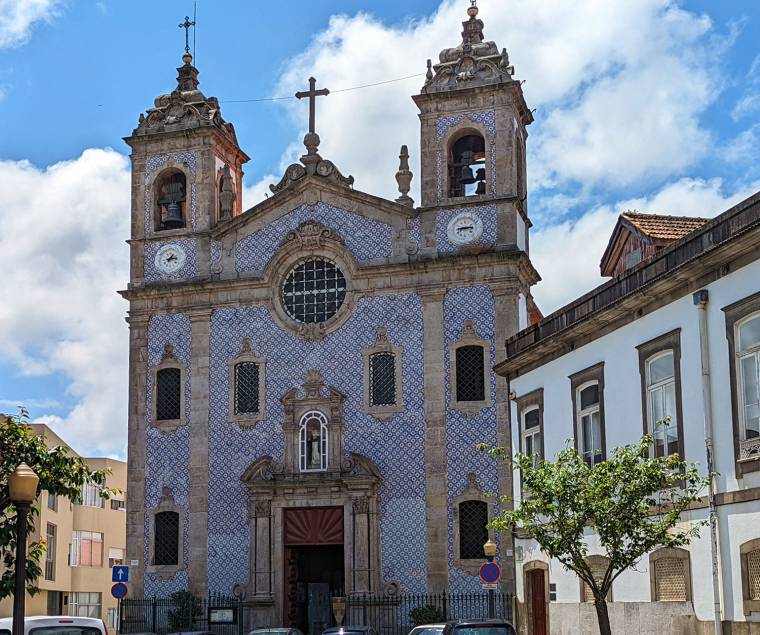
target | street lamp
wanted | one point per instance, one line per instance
(489, 549)
(22, 487)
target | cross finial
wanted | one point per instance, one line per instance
(186, 25)
(311, 141)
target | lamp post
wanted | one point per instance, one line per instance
(22, 487)
(489, 549)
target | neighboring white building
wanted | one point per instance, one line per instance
(598, 372)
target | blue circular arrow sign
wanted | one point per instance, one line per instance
(119, 590)
(490, 572)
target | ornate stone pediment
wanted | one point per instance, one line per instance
(313, 235)
(322, 168)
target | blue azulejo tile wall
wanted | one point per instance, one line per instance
(396, 445)
(463, 432)
(167, 455)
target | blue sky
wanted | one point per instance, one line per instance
(647, 104)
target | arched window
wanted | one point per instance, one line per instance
(473, 533)
(662, 419)
(748, 361)
(382, 379)
(531, 431)
(168, 394)
(598, 565)
(670, 575)
(470, 373)
(166, 537)
(171, 200)
(312, 442)
(467, 166)
(589, 423)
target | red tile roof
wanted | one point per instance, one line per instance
(664, 227)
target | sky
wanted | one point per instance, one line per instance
(651, 105)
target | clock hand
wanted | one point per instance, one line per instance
(171, 257)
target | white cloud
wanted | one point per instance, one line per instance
(63, 258)
(18, 17)
(615, 103)
(567, 254)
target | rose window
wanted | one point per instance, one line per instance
(314, 291)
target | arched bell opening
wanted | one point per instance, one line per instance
(467, 165)
(171, 200)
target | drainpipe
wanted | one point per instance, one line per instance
(701, 298)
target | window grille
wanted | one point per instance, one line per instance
(470, 373)
(661, 403)
(86, 549)
(166, 539)
(382, 378)
(473, 534)
(670, 580)
(246, 388)
(50, 553)
(168, 388)
(85, 604)
(314, 291)
(590, 424)
(753, 574)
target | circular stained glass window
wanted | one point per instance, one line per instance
(314, 291)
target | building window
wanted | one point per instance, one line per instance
(382, 377)
(314, 291)
(117, 504)
(531, 435)
(598, 565)
(52, 502)
(85, 604)
(166, 539)
(51, 551)
(743, 334)
(171, 200)
(467, 166)
(115, 557)
(587, 391)
(90, 494)
(473, 533)
(589, 423)
(313, 440)
(246, 388)
(470, 379)
(670, 575)
(661, 403)
(749, 553)
(86, 549)
(168, 394)
(748, 363)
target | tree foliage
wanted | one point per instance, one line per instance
(60, 473)
(632, 501)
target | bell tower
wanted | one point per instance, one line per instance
(473, 133)
(187, 178)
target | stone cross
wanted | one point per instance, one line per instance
(186, 25)
(312, 94)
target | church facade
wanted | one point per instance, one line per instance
(309, 377)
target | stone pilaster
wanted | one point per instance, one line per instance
(138, 379)
(436, 481)
(260, 521)
(506, 307)
(198, 502)
(360, 510)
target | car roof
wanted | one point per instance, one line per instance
(337, 629)
(441, 625)
(54, 620)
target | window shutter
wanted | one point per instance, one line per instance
(753, 574)
(670, 577)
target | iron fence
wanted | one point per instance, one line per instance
(219, 614)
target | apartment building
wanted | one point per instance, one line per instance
(84, 541)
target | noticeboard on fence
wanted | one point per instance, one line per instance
(222, 615)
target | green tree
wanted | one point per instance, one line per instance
(632, 501)
(60, 474)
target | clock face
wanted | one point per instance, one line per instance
(465, 228)
(170, 259)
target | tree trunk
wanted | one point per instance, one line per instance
(601, 614)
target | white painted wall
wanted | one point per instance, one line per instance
(624, 424)
(520, 229)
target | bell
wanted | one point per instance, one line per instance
(173, 216)
(481, 189)
(467, 176)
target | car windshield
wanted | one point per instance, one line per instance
(484, 629)
(427, 630)
(65, 630)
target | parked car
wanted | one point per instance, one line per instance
(350, 630)
(276, 631)
(466, 627)
(56, 625)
